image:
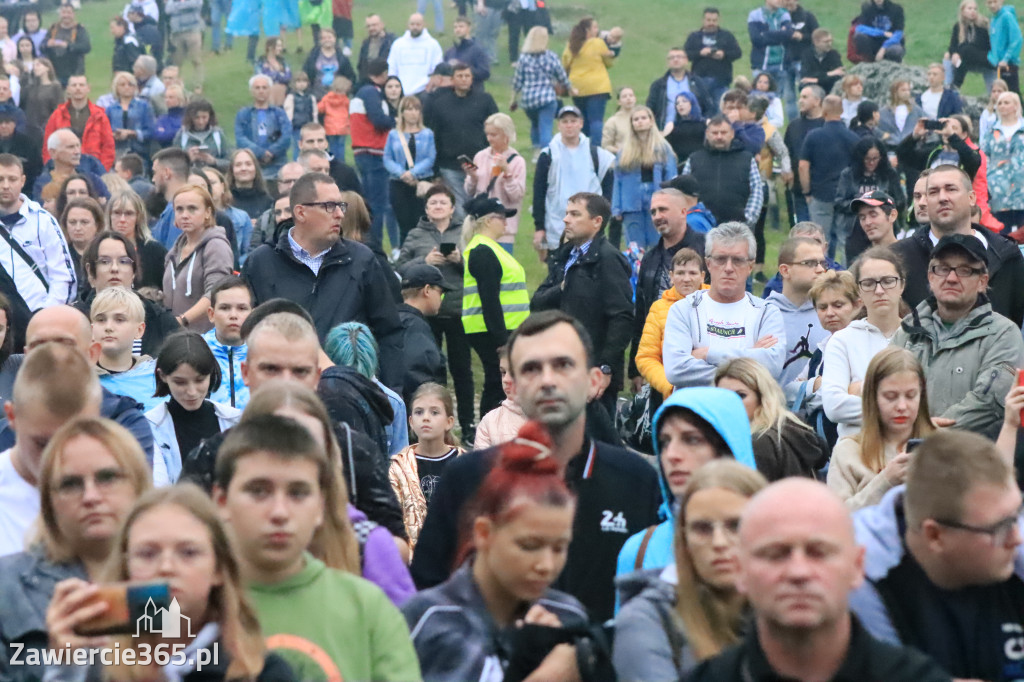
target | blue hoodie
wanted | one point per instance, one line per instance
(724, 411)
(233, 390)
(1005, 35)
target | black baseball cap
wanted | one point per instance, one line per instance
(569, 109)
(482, 205)
(964, 242)
(421, 275)
(687, 184)
(876, 198)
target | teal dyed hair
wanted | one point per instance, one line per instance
(352, 344)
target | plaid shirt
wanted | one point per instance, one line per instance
(312, 261)
(533, 77)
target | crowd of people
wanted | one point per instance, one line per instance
(238, 377)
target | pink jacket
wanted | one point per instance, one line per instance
(500, 425)
(509, 188)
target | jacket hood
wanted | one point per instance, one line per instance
(344, 380)
(786, 305)
(649, 582)
(723, 411)
(210, 233)
(736, 145)
(1008, 10)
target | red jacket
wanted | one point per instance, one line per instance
(97, 139)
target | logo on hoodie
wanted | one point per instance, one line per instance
(612, 522)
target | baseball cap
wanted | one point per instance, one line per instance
(687, 184)
(482, 205)
(569, 109)
(875, 198)
(965, 242)
(421, 275)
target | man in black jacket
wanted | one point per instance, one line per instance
(423, 288)
(617, 492)
(335, 279)
(811, 118)
(712, 50)
(589, 279)
(950, 198)
(376, 46)
(662, 96)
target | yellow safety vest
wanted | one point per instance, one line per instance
(515, 301)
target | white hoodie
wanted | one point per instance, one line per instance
(413, 60)
(846, 359)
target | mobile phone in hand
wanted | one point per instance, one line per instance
(127, 603)
(912, 444)
(447, 248)
(466, 161)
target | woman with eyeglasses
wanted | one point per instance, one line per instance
(110, 261)
(674, 618)
(92, 472)
(880, 276)
(126, 215)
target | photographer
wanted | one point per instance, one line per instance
(936, 143)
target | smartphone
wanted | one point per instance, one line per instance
(932, 124)
(202, 147)
(913, 443)
(466, 161)
(129, 607)
(447, 248)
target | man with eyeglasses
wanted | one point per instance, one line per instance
(801, 262)
(970, 353)
(710, 327)
(335, 279)
(943, 563)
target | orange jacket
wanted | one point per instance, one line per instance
(97, 139)
(648, 352)
(334, 108)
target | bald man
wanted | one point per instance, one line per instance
(799, 561)
(68, 327)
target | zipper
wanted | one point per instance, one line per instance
(231, 373)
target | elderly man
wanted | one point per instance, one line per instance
(709, 327)
(798, 563)
(730, 182)
(264, 129)
(66, 157)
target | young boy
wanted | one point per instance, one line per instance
(230, 305)
(118, 319)
(423, 288)
(501, 424)
(328, 624)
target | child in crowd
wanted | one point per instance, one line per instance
(230, 305)
(333, 107)
(300, 105)
(416, 470)
(501, 424)
(118, 319)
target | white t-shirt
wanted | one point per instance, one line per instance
(19, 507)
(900, 113)
(930, 103)
(728, 323)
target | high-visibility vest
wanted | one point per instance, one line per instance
(515, 301)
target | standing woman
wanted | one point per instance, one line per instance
(80, 221)
(325, 63)
(645, 161)
(41, 95)
(500, 172)
(393, 94)
(168, 124)
(1004, 147)
(200, 257)
(587, 59)
(26, 59)
(895, 406)
(130, 116)
(869, 171)
(126, 215)
(409, 155)
(245, 182)
(686, 134)
(533, 86)
(494, 301)
(272, 64)
(202, 138)
(898, 118)
(617, 127)
(31, 27)
(968, 49)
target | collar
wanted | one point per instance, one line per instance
(301, 252)
(583, 248)
(856, 664)
(583, 464)
(977, 233)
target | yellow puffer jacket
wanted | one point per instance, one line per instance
(648, 352)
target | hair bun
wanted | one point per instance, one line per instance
(529, 452)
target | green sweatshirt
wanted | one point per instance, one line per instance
(330, 625)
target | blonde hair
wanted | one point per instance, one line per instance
(471, 227)
(117, 298)
(840, 281)
(964, 30)
(646, 149)
(120, 76)
(408, 102)
(115, 183)
(1016, 100)
(504, 123)
(711, 623)
(536, 41)
(130, 198)
(772, 412)
(117, 441)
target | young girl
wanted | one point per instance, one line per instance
(300, 105)
(187, 372)
(333, 107)
(501, 424)
(416, 470)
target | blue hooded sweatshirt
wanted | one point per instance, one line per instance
(724, 411)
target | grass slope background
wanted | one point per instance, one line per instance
(652, 26)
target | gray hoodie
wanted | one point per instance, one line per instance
(803, 334)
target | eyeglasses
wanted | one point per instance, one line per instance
(105, 480)
(703, 530)
(962, 271)
(998, 532)
(107, 261)
(737, 261)
(869, 285)
(329, 206)
(812, 263)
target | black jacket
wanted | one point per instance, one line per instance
(126, 51)
(1005, 267)
(888, 17)
(796, 452)
(724, 178)
(458, 124)
(357, 401)
(345, 177)
(866, 659)
(915, 155)
(364, 53)
(817, 66)
(350, 286)
(805, 22)
(423, 359)
(796, 133)
(657, 98)
(974, 50)
(26, 148)
(596, 291)
(706, 67)
(251, 200)
(365, 470)
(617, 497)
(849, 188)
(160, 322)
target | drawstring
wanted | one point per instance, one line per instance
(188, 277)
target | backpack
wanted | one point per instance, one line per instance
(633, 420)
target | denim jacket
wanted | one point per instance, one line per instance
(140, 119)
(628, 190)
(426, 152)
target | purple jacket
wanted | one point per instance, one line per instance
(382, 564)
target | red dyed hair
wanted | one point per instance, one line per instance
(525, 472)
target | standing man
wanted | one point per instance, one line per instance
(950, 199)
(370, 124)
(809, 106)
(662, 96)
(313, 136)
(823, 156)
(335, 279)
(376, 46)
(66, 44)
(799, 562)
(264, 128)
(423, 289)
(570, 164)
(937, 100)
(709, 327)
(466, 51)
(87, 120)
(730, 182)
(1005, 36)
(170, 173)
(712, 50)
(413, 56)
(800, 43)
(589, 279)
(876, 216)
(771, 34)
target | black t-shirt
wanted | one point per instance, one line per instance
(430, 469)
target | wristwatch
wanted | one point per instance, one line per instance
(606, 370)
